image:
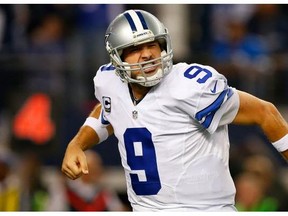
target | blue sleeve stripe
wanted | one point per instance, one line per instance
(103, 119)
(210, 111)
(229, 93)
(108, 67)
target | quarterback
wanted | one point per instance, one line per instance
(171, 121)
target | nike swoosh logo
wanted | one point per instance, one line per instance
(214, 88)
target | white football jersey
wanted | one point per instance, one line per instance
(174, 143)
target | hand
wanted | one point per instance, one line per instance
(74, 163)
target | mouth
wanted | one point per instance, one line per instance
(149, 68)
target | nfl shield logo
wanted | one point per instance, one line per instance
(135, 114)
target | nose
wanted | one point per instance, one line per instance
(146, 53)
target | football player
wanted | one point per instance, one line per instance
(171, 121)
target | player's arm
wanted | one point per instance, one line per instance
(253, 110)
(92, 132)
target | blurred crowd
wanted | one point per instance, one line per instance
(49, 55)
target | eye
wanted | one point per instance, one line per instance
(134, 49)
(152, 45)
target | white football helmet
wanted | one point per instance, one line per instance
(131, 28)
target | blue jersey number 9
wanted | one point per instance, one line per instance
(195, 71)
(141, 158)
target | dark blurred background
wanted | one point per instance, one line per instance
(49, 54)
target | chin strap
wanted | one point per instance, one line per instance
(151, 80)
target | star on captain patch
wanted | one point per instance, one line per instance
(135, 114)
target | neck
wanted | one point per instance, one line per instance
(139, 91)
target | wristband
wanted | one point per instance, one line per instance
(282, 144)
(98, 127)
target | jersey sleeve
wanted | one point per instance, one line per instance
(215, 103)
(100, 83)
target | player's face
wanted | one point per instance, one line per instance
(143, 53)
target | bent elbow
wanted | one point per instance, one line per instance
(268, 113)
